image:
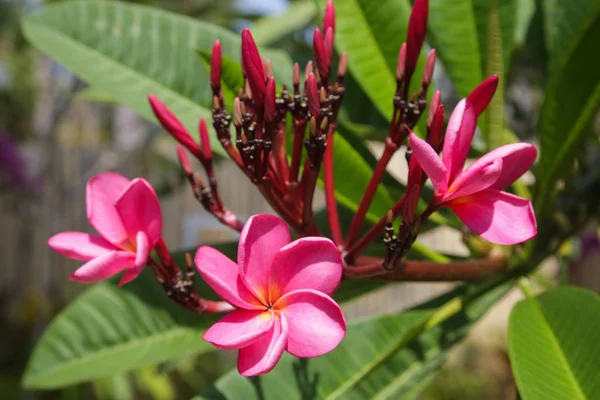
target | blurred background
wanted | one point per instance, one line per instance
(55, 134)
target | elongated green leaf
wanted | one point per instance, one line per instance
(130, 51)
(453, 33)
(372, 33)
(109, 330)
(553, 345)
(94, 94)
(270, 29)
(378, 359)
(572, 100)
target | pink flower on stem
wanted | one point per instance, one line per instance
(281, 290)
(127, 216)
(475, 194)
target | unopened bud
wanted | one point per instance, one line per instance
(253, 67)
(238, 115)
(321, 55)
(269, 68)
(270, 100)
(401, 65)
(172, 125)
(296, 74)
(328, 42)
(417, 27)
(184, 161)
(215, 66)
(329, 17)
(205, 140)
(308, 69)
(435, 130)
(433, 106)
(343, 64)
(312, 96)
(429, 67)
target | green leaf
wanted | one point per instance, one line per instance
(94, 94)
(571, 102)
(378, 359)
(553, 346)
(372, 33)
(267, 30)
(130, 51)
(456, 44)
(109, 330)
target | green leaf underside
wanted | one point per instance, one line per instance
(130, 51)
(378, 359)
(553, 346)
(571, 102)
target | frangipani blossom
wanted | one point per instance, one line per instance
(281, 290)
(475, 194)
(127, 216)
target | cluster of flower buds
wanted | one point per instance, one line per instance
(260, 150)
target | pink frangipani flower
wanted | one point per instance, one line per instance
(475, 194)
(127, 216)
(281, 290)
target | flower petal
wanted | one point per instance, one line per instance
(497, 216)
(139, 209)
(316, 322)
(430, 163)
(103, 267)
(459, 134)
(262, 356)
(79, 245)
(262, 237)
(306, 263)
(239, 328)
(222, 275)
(474, 179)
(131, 273)
(102, 192)
(142, 249)
(517, 158)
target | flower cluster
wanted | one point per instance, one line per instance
(279, 291)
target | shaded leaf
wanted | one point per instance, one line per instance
(553, 346)
(267, 30)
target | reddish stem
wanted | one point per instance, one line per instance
(309, 182)
(417, 271)
(332, 211)
(359, 217)
(373, 233)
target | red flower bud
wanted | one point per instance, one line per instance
(436, 128)
(401, 65)
(417, 27)
(270, 100)
(481, 96)
(172, 125)
(253, 68)
(321, 57)
(205, 140)
(329, 17)
(184, 161)
(328, 42)
(312, 95)
(215, 67)
(296, 74)
(433, 106)
(429, 66)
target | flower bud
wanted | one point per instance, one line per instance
(205, 140)
(321, 57)
(329, 17)
(401, 65)
(312, 95)
(253, 68)
(215, 66)
(270, 100)
(172, 125)
(417, 27)
(429, 66)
